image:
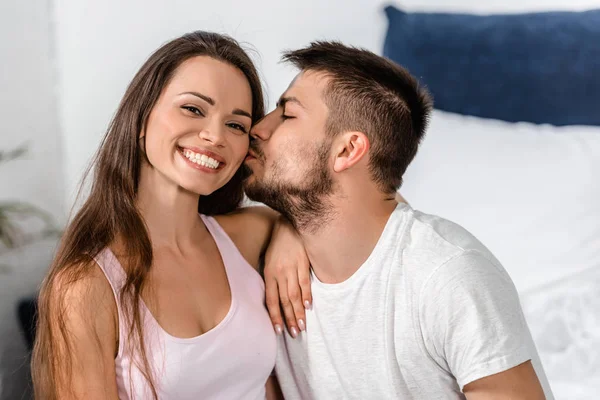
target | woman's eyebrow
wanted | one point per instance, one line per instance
(207, 99)
(212, 102)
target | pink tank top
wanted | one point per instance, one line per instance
(231, 361)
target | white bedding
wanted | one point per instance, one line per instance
(564, 319)
(531, 193)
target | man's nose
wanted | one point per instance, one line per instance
(265, 127)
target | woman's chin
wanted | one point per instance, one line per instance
(206, 189)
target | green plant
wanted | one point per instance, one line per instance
(14, 215)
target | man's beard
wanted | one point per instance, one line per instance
(307, 205)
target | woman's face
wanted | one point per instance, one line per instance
(197, 133)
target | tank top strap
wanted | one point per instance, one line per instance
(109, 264)
(116, 276)
(235, 263)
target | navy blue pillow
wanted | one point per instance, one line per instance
(537, 67)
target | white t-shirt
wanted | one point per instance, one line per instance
(428, 312)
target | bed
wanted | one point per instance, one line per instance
(513, 155)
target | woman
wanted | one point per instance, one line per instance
(146, 298)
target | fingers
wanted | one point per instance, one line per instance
(295, 296)
(288, 311)
(278, 300)
(304, 282)
(272, 301)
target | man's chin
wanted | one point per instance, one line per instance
(251, 182)
(254, 190)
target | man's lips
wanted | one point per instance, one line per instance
(251, 156)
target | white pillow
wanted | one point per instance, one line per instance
(530, 193)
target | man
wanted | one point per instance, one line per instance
(405, 305)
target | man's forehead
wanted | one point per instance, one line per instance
(306, 87)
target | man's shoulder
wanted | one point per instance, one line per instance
(438, 237)
(429, 242)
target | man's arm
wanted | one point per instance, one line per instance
(517, 383)
(471, 321)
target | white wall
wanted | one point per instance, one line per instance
(101, 45)
(96, 47)
(28, 105)
(28, 113)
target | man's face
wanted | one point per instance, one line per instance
(290, 154)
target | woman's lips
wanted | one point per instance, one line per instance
(205, 152)
(197, 166)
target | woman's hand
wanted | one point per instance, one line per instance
(287, 279)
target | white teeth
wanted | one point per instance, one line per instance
(201, 159)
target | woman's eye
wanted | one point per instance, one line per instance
(285, 117)
(239, 127)
(194, 110)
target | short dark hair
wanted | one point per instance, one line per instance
(373, 95)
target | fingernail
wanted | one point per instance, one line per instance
(294, 332)
(301, 325)
(278, 329)
(307, 304)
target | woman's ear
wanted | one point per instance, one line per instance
(142, 142)
(349, 149)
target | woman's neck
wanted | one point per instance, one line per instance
(169, 211)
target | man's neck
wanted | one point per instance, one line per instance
(339, 248)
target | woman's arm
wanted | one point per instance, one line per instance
(250, 228)
(287, 279)
(273, 390)
(259, 231)
(83, 323)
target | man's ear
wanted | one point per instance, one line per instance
(349, 148)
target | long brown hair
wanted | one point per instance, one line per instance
(110, 212)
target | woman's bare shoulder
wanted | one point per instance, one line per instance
(83, 297)
(250, 229)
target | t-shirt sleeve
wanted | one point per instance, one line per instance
(471, 319)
